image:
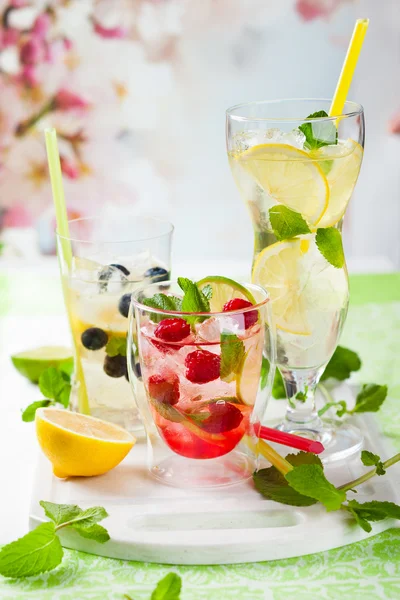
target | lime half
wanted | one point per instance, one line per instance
(32, 363)
(223, 290)
(248, 379)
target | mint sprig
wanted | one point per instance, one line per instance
(163, 302)
(55, 385)
(329, 242)
(302, 482)
(319, 133)
(369, 399)
(40, 550)
(342, 364)
(194, 300)
(232, 355)
(287, 223)
(369, 459)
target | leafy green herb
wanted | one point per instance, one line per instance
(272, 484)
(40, 550)
(341, 406)
(287, 223)
(367, 512)
(163, 302)
(370, 398)
(318, 134)
(278, 388)
(116, 346)
(55, 385)
(329, 242)
(207, 291)
(194, 300)
(169, 588)
(310, 480)
(232, 354)
(30, 411)
(265, 366)
(302, 396)
(369, 459)
(342, 364)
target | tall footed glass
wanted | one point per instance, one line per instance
(296, 169)
(204, 391)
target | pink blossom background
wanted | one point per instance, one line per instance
(136, 88)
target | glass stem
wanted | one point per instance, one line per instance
(300, 385)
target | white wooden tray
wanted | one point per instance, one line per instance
(156, 523)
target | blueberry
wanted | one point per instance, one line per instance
(137, 370)
(157, 274)
(115, 366)
(107, 272)
(124, 304)
(94, 338)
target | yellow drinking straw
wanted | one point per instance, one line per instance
(349, 66)
(53, 159)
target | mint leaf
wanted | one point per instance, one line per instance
(302, 396)
(207, 291)
(30, 411)
(287, 223)
(60, 513)
(369, 459)
(164, 302)
(309, 479)
(194, 299)
(67, 368)
(265, 366)
(319, 134)
(278, 388)
(232, 354)
(54, 385)
(168, 588)
(329, 242)
(370, 398)
(167, 411)
(273, 485)
(116, 346)
(36, 552)
(342, 364)
(92, 531)
(372, 511)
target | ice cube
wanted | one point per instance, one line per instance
(112, 278)
(295, 138)
(85, 269)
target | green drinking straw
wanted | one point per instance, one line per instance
(53, 159)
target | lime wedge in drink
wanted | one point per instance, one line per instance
(223, 290)
(248, 379)
(32, 363)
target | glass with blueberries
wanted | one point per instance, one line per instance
(111, 257)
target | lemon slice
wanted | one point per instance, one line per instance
(290, 177)
(78, 445)
(248, 380)
(32, 363)
(342, 177)
(223, 290)
(279, 269)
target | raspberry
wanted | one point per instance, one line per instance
(164, 389)
(172, 330)
(250, 317)
(223, 417)
(202, 366)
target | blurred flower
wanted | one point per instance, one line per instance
(314, 9)
(109, 32)
(32, 51)
(69, 169)
(66, 100)
(41, 25)
(394, 124)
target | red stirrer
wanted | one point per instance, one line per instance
(288, 439)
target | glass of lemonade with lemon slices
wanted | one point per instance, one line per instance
(201, 352)
(296, 169)
(111, 257)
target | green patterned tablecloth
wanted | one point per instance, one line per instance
(367, 570)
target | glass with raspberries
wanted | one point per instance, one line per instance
(203, 350)
(112, 256)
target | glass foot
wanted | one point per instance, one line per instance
(230, 469)
(339, 441)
